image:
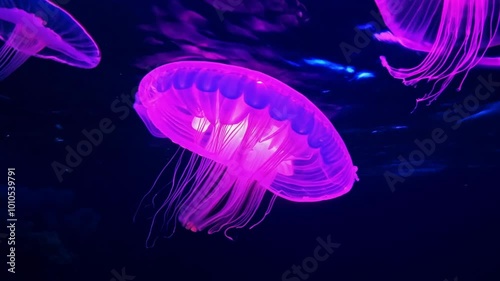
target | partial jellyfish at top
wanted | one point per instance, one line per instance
(244, 133)
(41, 29)
(455, 34)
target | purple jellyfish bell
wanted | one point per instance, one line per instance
(248, 133)
(40, 28)
(455, 34)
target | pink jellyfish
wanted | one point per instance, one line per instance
(455, 34)
(248, 133)
(40, 28)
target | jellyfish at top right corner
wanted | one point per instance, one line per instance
(454, 34)
(39, 28)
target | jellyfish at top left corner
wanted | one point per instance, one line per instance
(39, 28)
(245, 133)
(455, 34)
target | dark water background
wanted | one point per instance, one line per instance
(441, 222)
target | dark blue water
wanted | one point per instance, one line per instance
(433, 220)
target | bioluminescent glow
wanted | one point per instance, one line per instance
(248, 133)
(317, 62)
(390, 128)
(490, 110)
(455, 34)
(339, 68)
(364, 75)
(325, 63)
(41, 29)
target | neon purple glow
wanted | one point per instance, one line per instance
(248, 133)
(40, 28)
(455, 34)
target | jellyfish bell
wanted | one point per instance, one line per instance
(247, 133)
(41, 29)
(455, 34)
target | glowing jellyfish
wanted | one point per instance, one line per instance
(41, 29)
(248, 133)
(455, 34)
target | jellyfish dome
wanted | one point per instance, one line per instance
(41, 29)
(455, 34)
(250, 132)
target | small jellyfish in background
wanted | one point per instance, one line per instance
(455, 34)
(41, 29)
(248, 133)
